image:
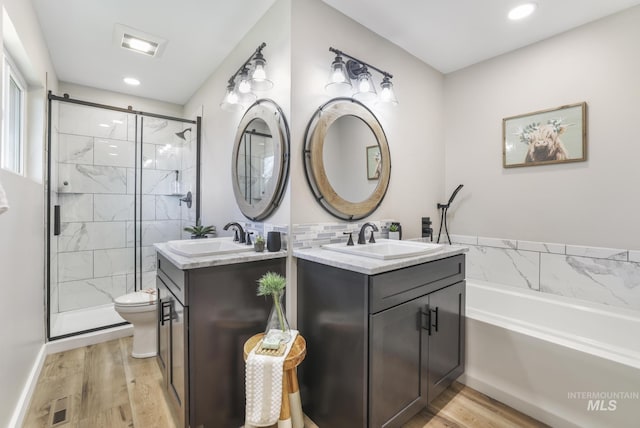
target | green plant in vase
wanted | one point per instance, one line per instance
(394, 231)
(198, 231)
(277, 331)
(259, 243)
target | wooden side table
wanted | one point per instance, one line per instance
(291, 410)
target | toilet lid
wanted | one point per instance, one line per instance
(139, 298)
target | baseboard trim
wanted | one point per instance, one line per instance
(515, 402)
(22, 406)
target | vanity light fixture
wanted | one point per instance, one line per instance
(250, 77)
(342, 74)
(522, 11)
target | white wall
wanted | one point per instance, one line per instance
(588, 203)
(414, 128)
(219, 127)
(22, 234)
(116, 99)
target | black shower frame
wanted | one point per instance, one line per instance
(65, 98)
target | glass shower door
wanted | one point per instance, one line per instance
(117, 181)
(93, 193)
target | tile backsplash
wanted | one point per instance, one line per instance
(609, 276)
(316, 234)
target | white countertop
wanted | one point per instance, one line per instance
(371, 266)
(185, 263)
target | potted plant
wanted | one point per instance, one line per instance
(394, 231)
(273, 284)
(258, 245)
(198, 231)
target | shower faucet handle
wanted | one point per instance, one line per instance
(187, 199)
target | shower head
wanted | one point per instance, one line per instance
(181, 134)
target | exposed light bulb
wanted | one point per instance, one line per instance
(337, 76)
(232, 97)
(364, 85)
(244, 87)
(259, 73)
(385, 94)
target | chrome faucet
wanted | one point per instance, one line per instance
(239, 232)
(361, 239)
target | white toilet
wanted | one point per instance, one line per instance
(139, 309)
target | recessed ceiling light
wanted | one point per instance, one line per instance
(136, 44)
(131, 81)
(522, 11)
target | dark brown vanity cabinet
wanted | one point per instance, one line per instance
(381, 346)
(204, 317)
(172, 340)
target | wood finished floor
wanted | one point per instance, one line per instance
(105, 387)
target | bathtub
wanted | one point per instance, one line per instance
(564, 362)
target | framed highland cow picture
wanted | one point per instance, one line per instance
(545, 137)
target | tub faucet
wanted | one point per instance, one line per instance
(239, 232)
(361, 238)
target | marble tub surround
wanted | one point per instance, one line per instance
(185, 263)
(315, 234)
(370, 266)
(608, 276)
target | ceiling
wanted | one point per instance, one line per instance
(447, 34)
(453, 34)
(199, 34)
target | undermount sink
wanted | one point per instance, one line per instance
(386, 249)
(207, 247)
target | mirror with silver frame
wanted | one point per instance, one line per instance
(346, 158)
(260, 164)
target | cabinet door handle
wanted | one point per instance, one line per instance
(435, 324)
(164, 316)
(427, 313)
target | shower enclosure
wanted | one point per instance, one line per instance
(116, 183)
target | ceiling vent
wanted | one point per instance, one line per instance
(138, 41)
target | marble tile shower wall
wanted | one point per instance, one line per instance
(603, 275)
(316, 234)
(96, 187)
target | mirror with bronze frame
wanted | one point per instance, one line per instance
(260, 163)
(346, 159)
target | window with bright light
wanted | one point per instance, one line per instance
(13, 106)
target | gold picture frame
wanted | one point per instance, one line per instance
(544, 137)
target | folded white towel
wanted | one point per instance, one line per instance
(4, 203)
(264, 386)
